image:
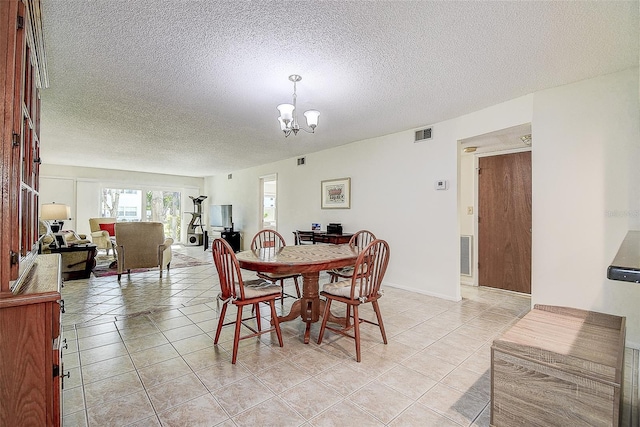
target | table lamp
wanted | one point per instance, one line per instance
(56, 212)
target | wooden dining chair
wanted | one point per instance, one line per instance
(236, 291)
(272, 240)
(304, 237)
(359, 241)
(359, 289)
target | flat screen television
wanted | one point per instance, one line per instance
(221, 216)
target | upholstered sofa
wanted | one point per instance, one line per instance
(100, 237)
(142, 245)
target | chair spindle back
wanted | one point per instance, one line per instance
(267, 239)
(361, 239)
(228, 270)
(372, 262)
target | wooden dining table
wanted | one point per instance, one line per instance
(309, 261)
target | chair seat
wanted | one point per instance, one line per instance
(258, 288)
(344, 271)
(347, 272)
(274, 277)
(341, 289)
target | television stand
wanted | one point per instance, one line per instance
(232, 238)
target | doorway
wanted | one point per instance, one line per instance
(504, 221)
(268, 202)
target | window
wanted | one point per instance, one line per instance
(133, 205)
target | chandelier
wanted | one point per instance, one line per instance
(288, 116)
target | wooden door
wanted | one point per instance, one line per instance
(504, 222)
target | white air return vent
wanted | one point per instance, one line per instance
(465, 255)
(301, 161)
(423, 135)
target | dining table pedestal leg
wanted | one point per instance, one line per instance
(309, 307)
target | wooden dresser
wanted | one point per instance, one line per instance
(558, 366)
(30, 304)
(31, 348)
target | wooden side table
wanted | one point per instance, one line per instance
(558, 366)
(77, 260)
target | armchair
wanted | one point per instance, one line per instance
(102, 238)
(140, 245)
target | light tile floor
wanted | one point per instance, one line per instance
(141, 353)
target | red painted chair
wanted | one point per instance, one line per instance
(236, 291)
(359, 240)
(359, 289)
(272, 240)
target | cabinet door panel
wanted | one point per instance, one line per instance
(25, 343)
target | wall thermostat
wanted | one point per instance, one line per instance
(442, 184)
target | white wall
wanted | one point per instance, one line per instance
(84, 200)
(392, 194)
(586, 194)
(61, 191)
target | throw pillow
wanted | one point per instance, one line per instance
(109, 228)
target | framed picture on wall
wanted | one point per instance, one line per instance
(336, 194)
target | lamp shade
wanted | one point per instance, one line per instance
(312, 118)
(282, 125)
(286, 112)
(54, 211)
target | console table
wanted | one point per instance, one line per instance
(323, 237)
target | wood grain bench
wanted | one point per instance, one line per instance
(558, 366)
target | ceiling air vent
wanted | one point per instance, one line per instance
(301, 161)
(423, 134)
(230, 176)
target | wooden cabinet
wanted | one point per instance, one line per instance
(30, 305)
(22, 75)
(558, 366)
(233, 238)
(31, 348)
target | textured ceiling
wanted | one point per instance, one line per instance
(191, 87)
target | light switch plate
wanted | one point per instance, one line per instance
(442, 184)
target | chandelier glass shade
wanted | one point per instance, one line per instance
(288, 116)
